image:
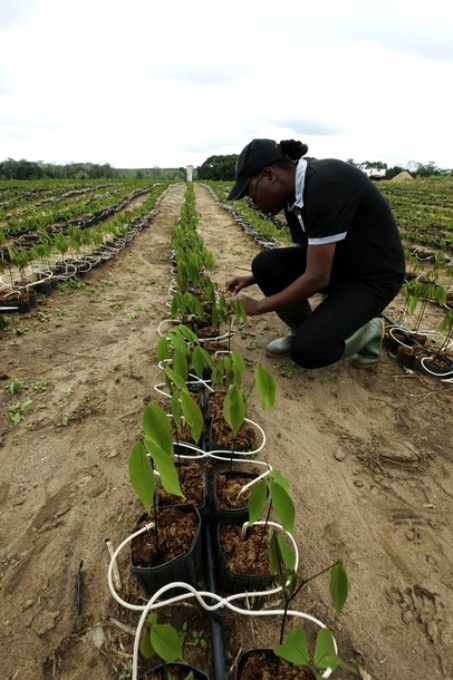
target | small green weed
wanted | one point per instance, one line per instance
(41, 385)
(71, 284)
(15, 386)
(126, 671)
(198, 639)
(16, 410)
(135, 312)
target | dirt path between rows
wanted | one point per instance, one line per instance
(368, 453)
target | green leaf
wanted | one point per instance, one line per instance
(179, 343)
(234, 408)
(157, 427)
(146, 648)
(177, 304)
(275, 563)
(325, 654)
(265, 385)
(278, 477)
(239, 311)
(283, 506)
(167, 470)
(282, 561)
(193, 415)
(186, 332)
(16, 417)
(294, 647)
(287, 554)
(238, 366)
(180, 365)
(166, 642)
(162, 348)
(200, 359)
(339, 586)
(175, 378)
(176, 410)
(141, 475)
(257, 500)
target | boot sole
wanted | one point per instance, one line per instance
(367, 366)
(280, 355)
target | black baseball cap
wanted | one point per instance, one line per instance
(253, 158)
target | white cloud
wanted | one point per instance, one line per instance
(139, 84)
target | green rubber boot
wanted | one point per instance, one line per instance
(365, 345)
(293, 317)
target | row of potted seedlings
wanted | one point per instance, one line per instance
(217, 522)
(37, 267)
(414, 347)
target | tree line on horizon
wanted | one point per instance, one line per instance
(214, 168)
(223, 168)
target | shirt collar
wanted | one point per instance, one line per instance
(300, 185)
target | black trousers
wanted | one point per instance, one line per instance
(320, 338)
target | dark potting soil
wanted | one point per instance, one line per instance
(185, 435)
(176, 531)
(222, 436)
(216, 346)
(248, 556)
(264, 665)
(208, 332)
(227, 489)
(191, 478)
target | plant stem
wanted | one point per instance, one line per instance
(268, 514)
(232, 451)
(156, 523)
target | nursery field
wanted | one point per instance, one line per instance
(368, 453)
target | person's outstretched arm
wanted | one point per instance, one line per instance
(239, 282)
(315, 278)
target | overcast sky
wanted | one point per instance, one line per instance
(168, 83)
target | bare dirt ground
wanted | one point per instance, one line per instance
(368, 453)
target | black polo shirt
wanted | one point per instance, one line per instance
(342, 205)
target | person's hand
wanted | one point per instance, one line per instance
(238, 283)
(250, 305)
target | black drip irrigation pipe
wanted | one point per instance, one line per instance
(409, 335)
(216, 617)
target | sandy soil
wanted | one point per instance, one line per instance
(368, 452)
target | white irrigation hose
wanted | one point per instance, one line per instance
(197, 452)
(127, 605)
(207, 455)
(159, 387)
(195, 381)
(409, 332)
(201, 597)
(227, 452)
(218, 338)
(224, 600)
(244, 453)
(445, 377)
(246, 487)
